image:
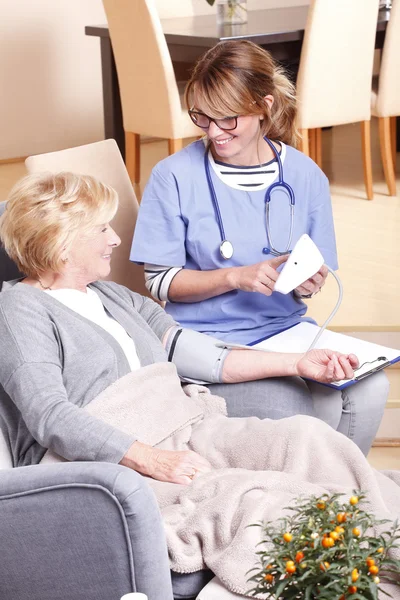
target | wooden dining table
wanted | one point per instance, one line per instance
(279, 30)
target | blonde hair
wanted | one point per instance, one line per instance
(234, 77)
(45, 213)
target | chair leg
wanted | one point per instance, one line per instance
(366, 154)
(318, 147)
(393, 132)
(174, 145)
(386, 153)
(312, 143)
(303, 144)
(132, 155)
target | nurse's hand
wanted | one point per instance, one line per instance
(314, 284)
(258, 278)
(326, 365)
(165, 465)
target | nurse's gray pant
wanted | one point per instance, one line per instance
(356, 411)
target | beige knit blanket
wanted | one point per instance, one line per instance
(259, 467)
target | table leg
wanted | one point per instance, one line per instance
(398, 134)
(113, 125)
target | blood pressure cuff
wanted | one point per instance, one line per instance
(196, 356)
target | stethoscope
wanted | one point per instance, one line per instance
(226, 247)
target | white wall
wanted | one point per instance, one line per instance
(50, 71)
(185, 8)
(50, 75)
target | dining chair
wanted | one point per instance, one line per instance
(386, 96)
(104, 161)
(151, 100)
(335, 73)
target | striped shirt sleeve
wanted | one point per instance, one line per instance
(158, 279)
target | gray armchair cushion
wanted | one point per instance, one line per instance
(80, 530)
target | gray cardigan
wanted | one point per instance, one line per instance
(54, 361)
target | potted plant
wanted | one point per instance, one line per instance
(230, 11)
(326, 550)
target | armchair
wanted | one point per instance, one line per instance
(80, 530)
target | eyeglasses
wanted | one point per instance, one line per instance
(204, 121)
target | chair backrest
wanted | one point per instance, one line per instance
(8, 269)
(149, 93)
(335, 75)
(103, 160)
(388, 101)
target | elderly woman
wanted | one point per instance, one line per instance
(66, 337)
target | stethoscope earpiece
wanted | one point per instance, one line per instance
(226, 247)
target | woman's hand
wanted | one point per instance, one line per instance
(258, 278)
(326, 365)
(314, 284)
(165, 465)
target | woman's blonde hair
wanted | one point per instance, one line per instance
(234, 77)
(45, 213)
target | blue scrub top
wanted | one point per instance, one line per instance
(177, 226)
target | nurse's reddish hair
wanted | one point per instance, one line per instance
(234, 77)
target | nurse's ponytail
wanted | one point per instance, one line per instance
(281, 124)
(234, 77)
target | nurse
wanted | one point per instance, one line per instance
(213, 231)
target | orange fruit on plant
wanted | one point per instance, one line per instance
(352, 589)
(328, 542)
(299, 556)
(339, 529)
(269, 578)
(341, 517)
(354, 575)
(374, 570)
(353, 500)
(291, 569)
(356, 532)
(287, 537)
(334, 535)
(370, 561)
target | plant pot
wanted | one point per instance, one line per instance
(231, 12)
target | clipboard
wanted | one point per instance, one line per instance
(372, 357)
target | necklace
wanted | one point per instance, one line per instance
(44, 287)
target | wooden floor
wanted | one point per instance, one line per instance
(368, 238)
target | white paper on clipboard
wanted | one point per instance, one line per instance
(300, 337)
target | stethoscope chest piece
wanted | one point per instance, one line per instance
(226, 249)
